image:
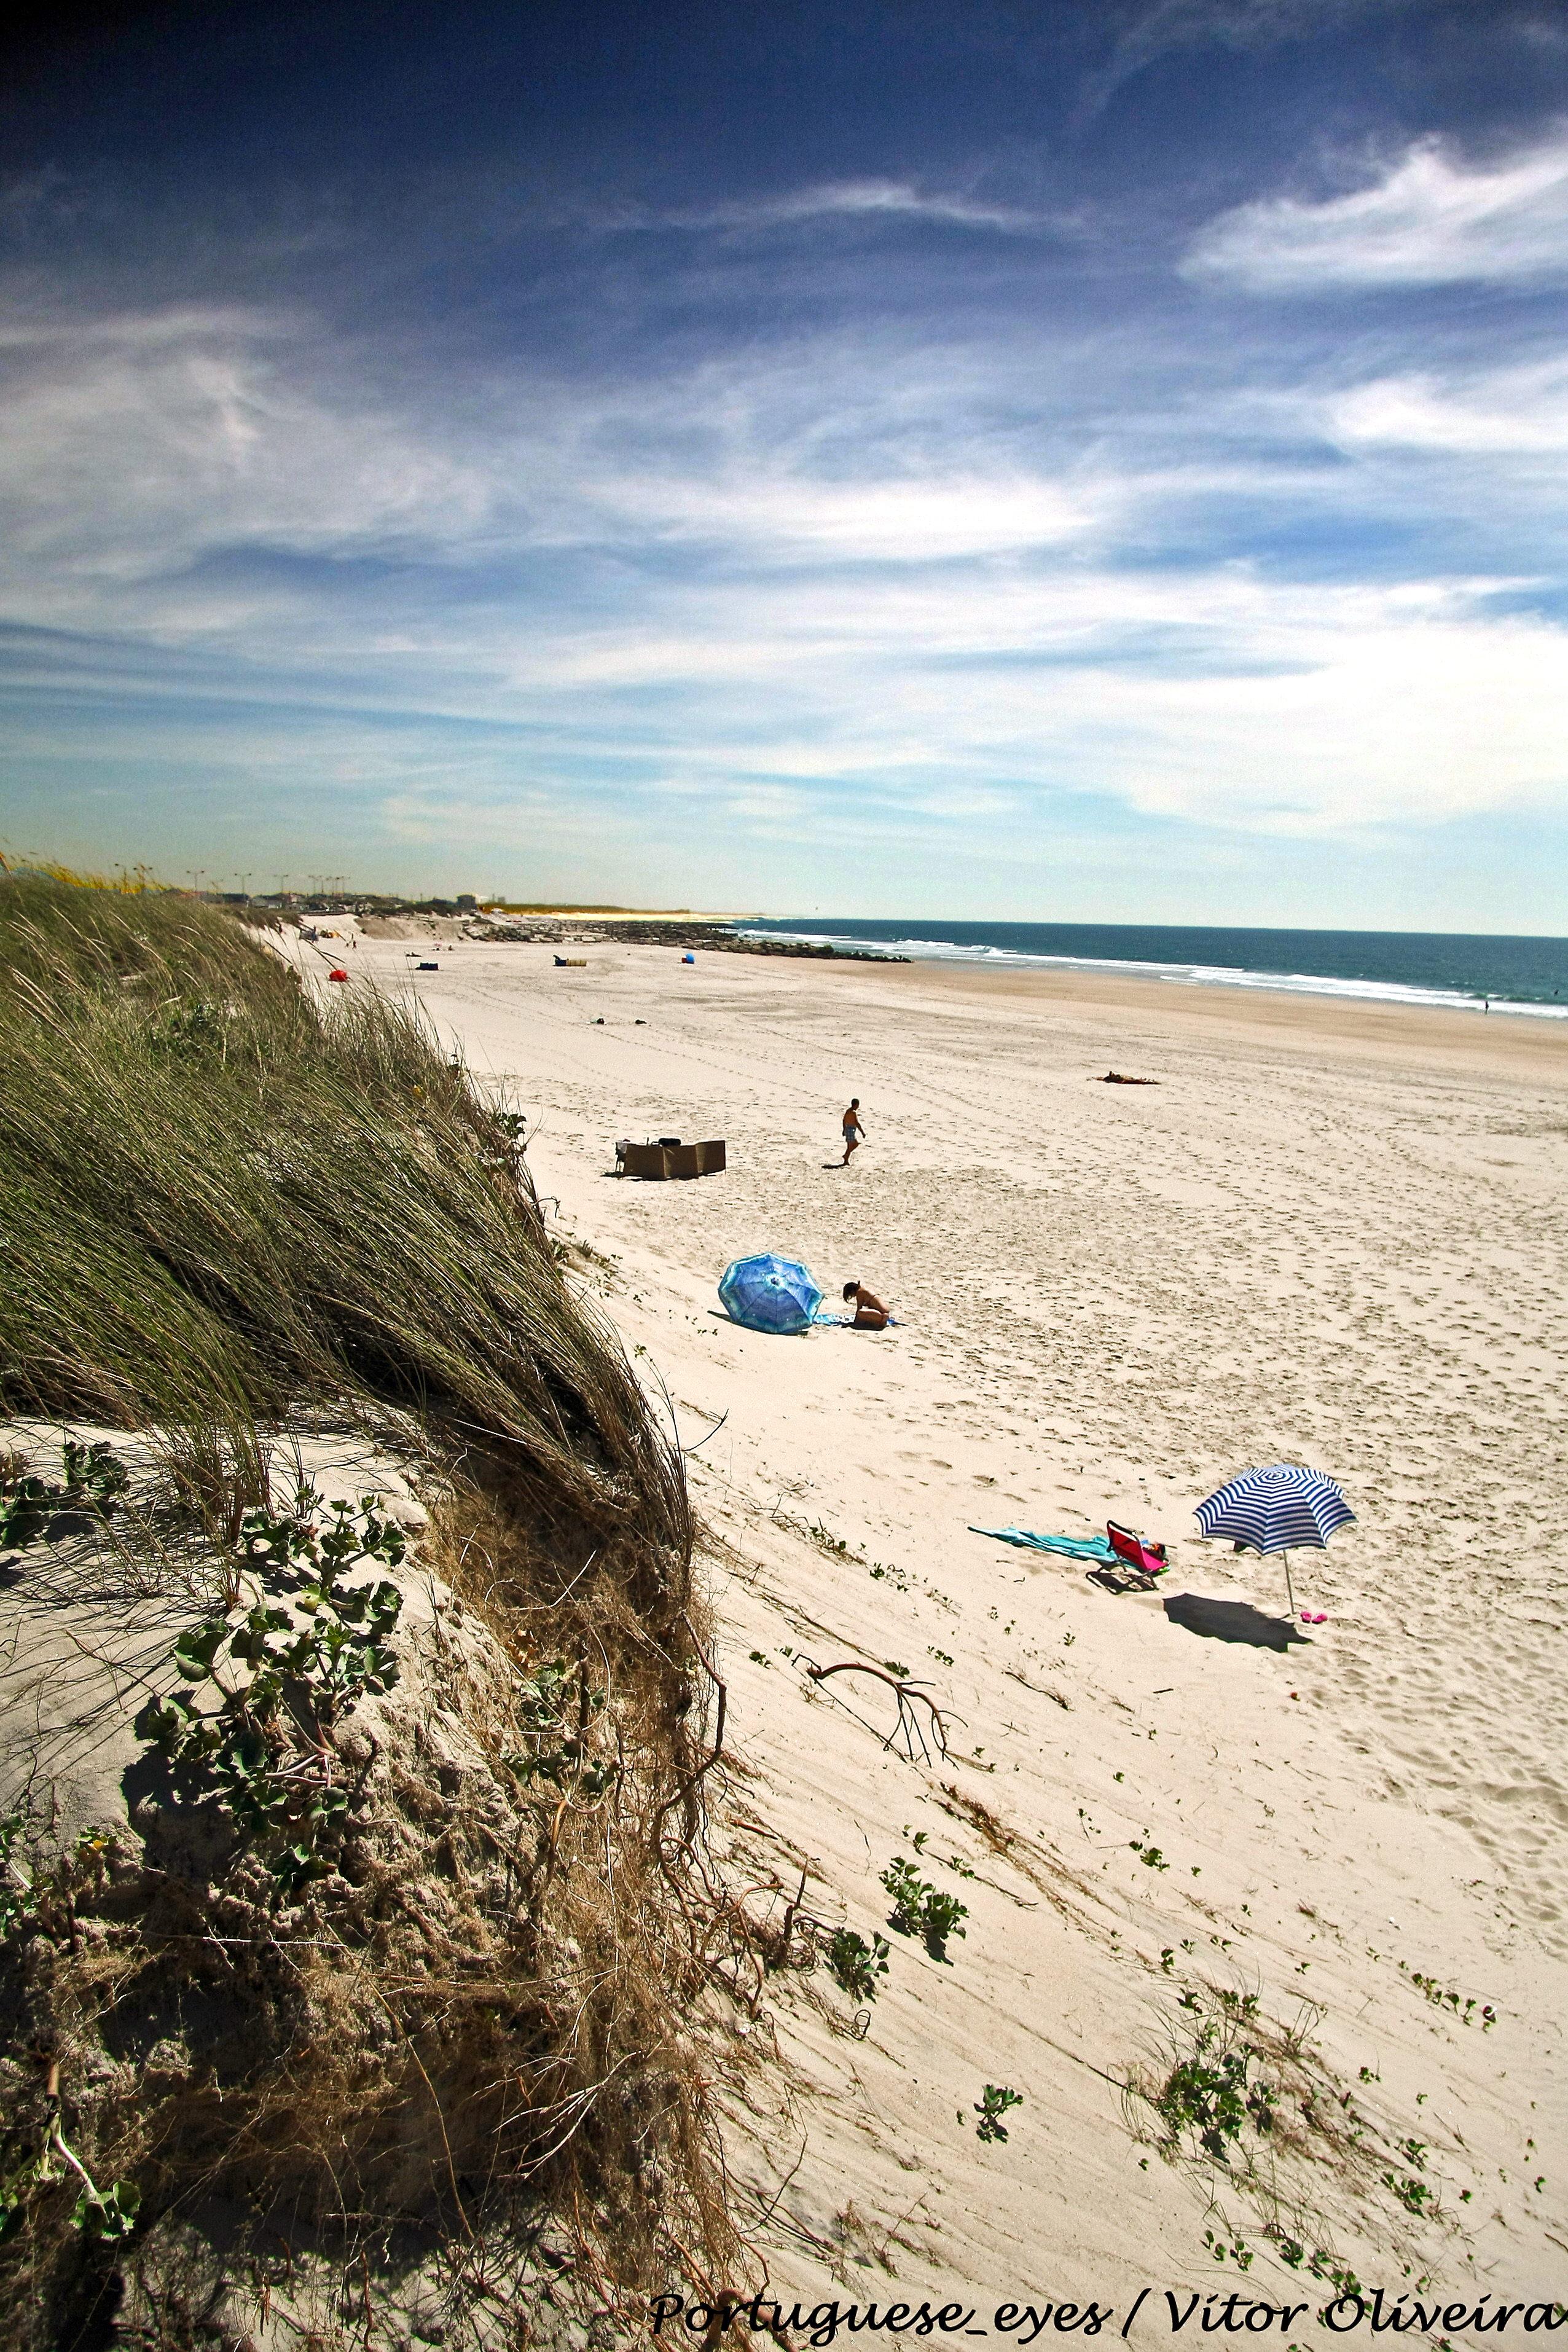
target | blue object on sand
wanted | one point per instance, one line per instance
(770, 1294)
(689, 958)
(1275, 1509)
(1278, 1508)
(1075, 1546)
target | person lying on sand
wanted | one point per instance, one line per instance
(854, 1133)
(1120, 1078)
(870, 1314)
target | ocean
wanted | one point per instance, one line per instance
(1462, 971)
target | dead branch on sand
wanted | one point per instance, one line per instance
(908, 1695)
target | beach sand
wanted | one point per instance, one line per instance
(1333, 1233)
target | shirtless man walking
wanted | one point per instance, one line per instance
(854, 1133)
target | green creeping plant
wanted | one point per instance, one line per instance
(991, 2106)
(248, 1746)
(107, 2213)
(907, 1889)
(189, 1030)
(920, 1910)
(94, 1473)
(855, 1965)
(556, 1705)
(94, 1480)
(18, 1896)
(1215, 2098)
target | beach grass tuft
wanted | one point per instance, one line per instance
(228, 1213)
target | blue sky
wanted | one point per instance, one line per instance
(999, 458)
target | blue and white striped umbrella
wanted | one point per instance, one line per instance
(1282, 1508)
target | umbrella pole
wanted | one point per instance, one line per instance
(1289, 1594)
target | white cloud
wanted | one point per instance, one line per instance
(916, 715)
(861, 610)
(1214, 696)
(1170, 26)
(1408, 720)
(859, 199)
(785, 518)
(142, 329)
(1518, 412)
(136, 444)
(1430, 219)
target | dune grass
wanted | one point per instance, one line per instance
(229, 1199)
(226, 1211)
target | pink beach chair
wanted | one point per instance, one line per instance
(1147, 1561)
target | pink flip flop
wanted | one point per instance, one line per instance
(1314, 1617)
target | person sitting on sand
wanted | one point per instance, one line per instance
(854, 1133)
(870, 1314)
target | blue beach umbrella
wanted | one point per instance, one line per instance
(1282, 1509)
(770, 1294)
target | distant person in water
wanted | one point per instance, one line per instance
(854, 1133)
(870, 1314)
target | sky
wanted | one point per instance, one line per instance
(985, 458)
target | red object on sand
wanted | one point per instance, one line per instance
(338, 974)
(1149, 1558)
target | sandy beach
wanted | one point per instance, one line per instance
(1331, 1234)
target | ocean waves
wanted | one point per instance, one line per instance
(1530, 992)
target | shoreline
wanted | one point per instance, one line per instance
(1239, 979)
(1539, 1047)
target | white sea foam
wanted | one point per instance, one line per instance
(1197, 975)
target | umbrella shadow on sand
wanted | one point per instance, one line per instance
(1232, 1621)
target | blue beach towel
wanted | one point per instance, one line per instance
(1074, 1546)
